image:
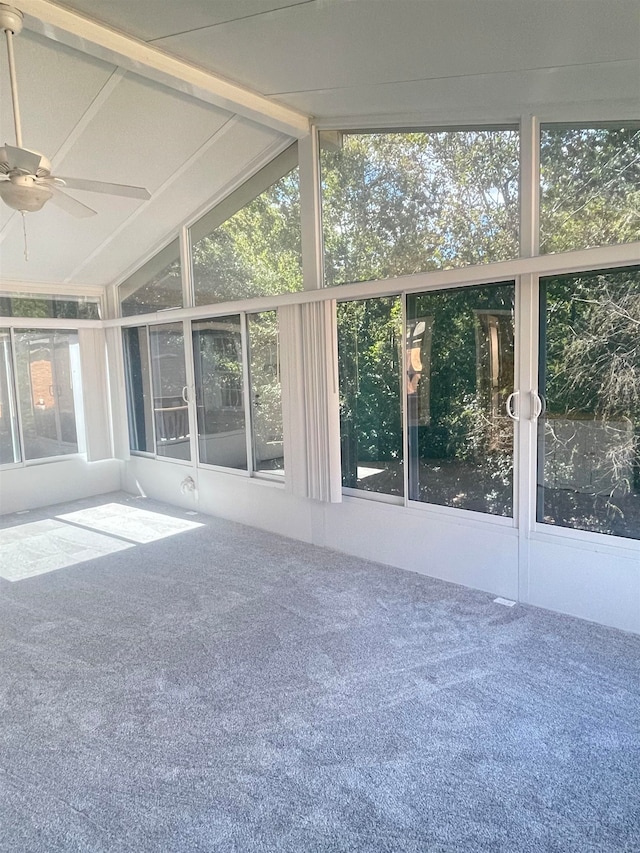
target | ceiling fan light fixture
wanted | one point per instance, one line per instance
(23, 194)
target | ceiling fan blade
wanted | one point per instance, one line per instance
(22, 160)
(71, 205)
(103, 187)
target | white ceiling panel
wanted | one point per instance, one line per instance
(138, 136)
(56, 86)
(155, 19)
(363, 42)
(239, 147)
(545, 92)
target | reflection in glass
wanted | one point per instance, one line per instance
(217, 355)
(250, 243)
(369, 352)
(460, 360)
(266, 396)
(156, 286)
(9, 441)
(589, 437)
(589, 184)
(171, 411)
(138, 384)
(48, 371)
(400, 203)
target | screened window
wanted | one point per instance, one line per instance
(9, 435)
(156, 286)
(589, 374)
(369, 358)
(590, 186)
(156, 386)
(219, 373)
(400, 203)
(266, 396)
(169, 384)
(249, 244)
(34, 305)
(139, 392)
(49, 391)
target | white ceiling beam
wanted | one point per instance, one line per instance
(103, 42)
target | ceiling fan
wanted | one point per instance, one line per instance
(26, 182)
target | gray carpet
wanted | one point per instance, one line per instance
(227, 690)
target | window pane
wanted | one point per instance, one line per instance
(9, 441)
(169, 380)
(139, 394)
(156, 286)
(589, 438)
(369, 354)
(48, 368)
(401, 203)
(460, 356)
(35, 305)
(217, 354)
(589, 187)
(249, 244)
(266, 397)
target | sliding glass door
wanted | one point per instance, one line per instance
(460, 377)
(457, 447)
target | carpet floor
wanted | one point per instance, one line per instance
(210, 687)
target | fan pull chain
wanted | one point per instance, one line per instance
(24, 233)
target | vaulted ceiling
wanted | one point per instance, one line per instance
(102, 113)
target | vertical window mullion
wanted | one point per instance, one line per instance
(186, 268)
(246, 379)
(529, 186)
(14, 405)
(405, 430)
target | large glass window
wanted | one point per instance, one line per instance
(401, 203)
(139, 391)
(369, 358)
(249, 244)
(9, 440)
(49, 388)
(156, 286)
(266, 397)
(590, 186)
(37, 305)
(218, 362)
(589, 435)
(169, 380)
(460, 372)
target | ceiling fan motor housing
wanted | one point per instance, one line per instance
(10, 19)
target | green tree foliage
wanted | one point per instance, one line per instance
(401, 203)
(590, 187)
(256, 252)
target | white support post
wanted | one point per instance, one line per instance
(311, 212)
(186, 268)
(529, 186)
(97, 414)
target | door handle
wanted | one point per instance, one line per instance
(514, 415)
(538, 405)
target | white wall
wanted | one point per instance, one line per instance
(476, 553)
(54, 482)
